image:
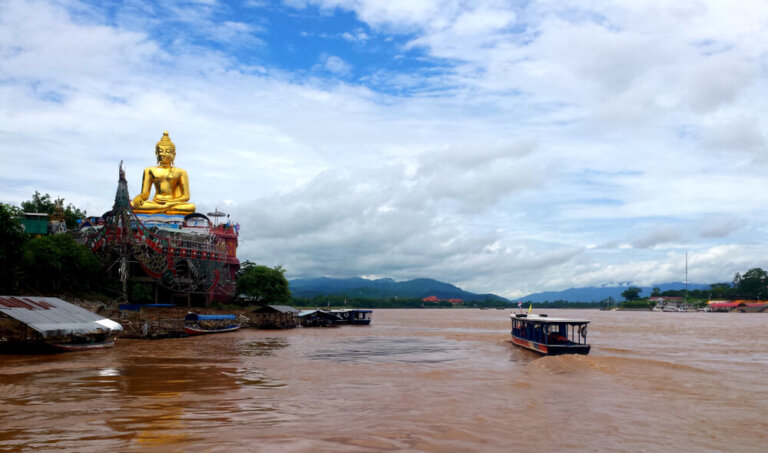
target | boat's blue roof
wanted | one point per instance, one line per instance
(198, 317)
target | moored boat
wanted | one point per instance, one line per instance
(197, 324)
(550, 336)
(85, 344)
(319, 318)
(354, 316)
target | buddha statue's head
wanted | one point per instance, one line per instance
(165, 150)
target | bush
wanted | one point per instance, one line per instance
(58, 263)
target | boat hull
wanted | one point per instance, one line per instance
(551, 349)
(83, 346)
(190, 330)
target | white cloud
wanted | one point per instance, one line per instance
(336, 65)
(660, 235)
(721, 227)
(358, 36)
(546, 138)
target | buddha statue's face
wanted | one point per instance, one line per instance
(165, 154)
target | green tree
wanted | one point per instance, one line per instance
(656, 292)
(631, 293)
(58, 263)
(643, 304)
(140, 292)
(720, 290)
(44, 204)
(753, 284)
(267, 284)
(11, 242)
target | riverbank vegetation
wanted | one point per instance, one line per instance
(46, 265)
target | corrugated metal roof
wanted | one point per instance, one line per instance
(52, 316)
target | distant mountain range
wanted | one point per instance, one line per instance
(599, 293)
(383, 288)
(425, 287)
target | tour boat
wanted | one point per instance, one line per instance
(550, 336)
(196, 324)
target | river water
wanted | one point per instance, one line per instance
(414, 380)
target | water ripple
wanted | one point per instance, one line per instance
(390, 350)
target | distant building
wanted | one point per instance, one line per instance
(666, 300)
(435, 299)
(744, 306)
(667, 303)
(34, 223)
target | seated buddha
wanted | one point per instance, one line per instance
(171, 184)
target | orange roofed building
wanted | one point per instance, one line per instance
(435, 299)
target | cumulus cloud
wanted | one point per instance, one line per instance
(336, 65)
(507, 148)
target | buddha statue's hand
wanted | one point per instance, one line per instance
(162, 199)
(137, 201)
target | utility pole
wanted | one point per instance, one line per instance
(685, 295)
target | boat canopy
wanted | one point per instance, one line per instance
(546, 319)
(53, 317)
(198, 317)
(319, 313)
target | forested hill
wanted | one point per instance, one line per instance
(383, 288)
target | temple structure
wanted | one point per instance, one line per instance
(162, 241)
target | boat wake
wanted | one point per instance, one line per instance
(610, 365)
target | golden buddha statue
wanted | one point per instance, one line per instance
(171, 184)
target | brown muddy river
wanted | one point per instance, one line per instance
(414, 380)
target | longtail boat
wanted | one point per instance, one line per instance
(550, 336)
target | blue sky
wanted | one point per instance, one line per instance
(505, 147)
